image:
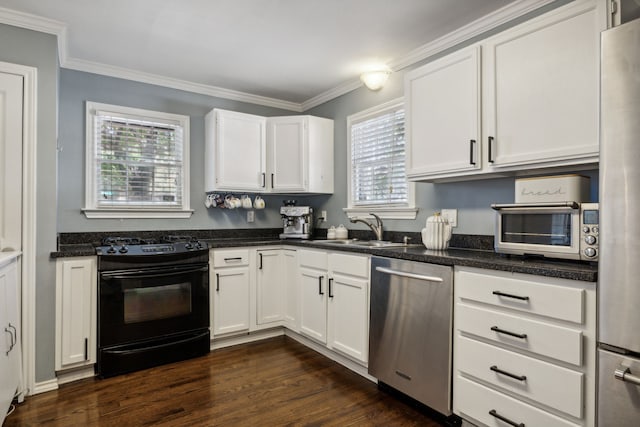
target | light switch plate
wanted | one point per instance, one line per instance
(451, 215)
(323, 214)
(251, 216)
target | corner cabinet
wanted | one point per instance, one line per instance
(539, 86)
(533, 341)
(76, 312)
(10, 325)
(248, 153)
(334, 301)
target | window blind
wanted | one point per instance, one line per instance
(139, 162)
(378, 160)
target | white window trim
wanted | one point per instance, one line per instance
(408, 211)
(91, 210)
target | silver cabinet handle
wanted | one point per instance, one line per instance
(409, 275)
(624, 374)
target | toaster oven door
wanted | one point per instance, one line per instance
(549, 230)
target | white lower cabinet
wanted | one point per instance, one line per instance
(519, 358)
(76, 312)
(334, 302)
(291, 289)
(229, 286)
(269, 287)
(10, 344)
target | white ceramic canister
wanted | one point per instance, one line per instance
(437, 233)
(342, 232)
(331, 233)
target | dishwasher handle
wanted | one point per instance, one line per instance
(409, 275)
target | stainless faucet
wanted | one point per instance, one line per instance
(377, 229)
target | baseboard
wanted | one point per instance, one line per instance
(44, 386)
(71, 375)
(222, 342)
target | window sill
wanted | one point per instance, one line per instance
(136, 214)
(382, 212)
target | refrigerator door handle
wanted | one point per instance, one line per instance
(624, 374)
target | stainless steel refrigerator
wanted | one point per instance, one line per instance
(619, 265)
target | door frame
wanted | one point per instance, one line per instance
(28, 259)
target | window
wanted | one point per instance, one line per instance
(377, 178)
(137, 163)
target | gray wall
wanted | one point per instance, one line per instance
(34, 49)
(78, 87)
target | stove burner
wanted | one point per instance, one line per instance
(177, 239)
(122, 241)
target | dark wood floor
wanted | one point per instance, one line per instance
(275, 382)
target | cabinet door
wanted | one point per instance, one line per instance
(10, 366)
(269, 283)
(542, 89)
(230, 300)
(313, 303)
(442, 103)
(287, 147)
(349, 316)
(76, 303)
(235, 151)
(291, 289)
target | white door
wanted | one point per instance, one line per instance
(240, 152)
(349, 316)
(287, 148)
(541, 84)
(11, 105)
(442, 102)
(269, 283)
(230, 300)
(313, 303)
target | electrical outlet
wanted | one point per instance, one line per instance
(323, 214)
(451, 215)
(251, 216)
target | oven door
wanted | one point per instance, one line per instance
(551, 230)
(152, 302)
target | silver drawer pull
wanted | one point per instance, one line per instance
(512, 334)
(233, 259)
(502, 294)
(494, 413)
(624, 374)
(497, 370)
(409, 275)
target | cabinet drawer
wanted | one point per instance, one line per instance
(543, 382)
(313, 259)
(538, 337)
(352, 265)
(478, 402)
(538, 295)
(230, 258)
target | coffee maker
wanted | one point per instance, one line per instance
(297, 221)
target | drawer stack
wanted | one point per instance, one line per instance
(524, 349)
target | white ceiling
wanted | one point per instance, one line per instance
(282, 50)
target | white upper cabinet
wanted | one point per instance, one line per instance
(542, 89)
(235, 151)
(300, 154)
(443, 115)
(247, 153)
(525, 99)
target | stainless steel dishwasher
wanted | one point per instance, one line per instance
(410, 329)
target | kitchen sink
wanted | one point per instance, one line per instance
(360, 243)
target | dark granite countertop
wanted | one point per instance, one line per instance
(452, 257)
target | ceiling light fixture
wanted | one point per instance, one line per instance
(374, 80)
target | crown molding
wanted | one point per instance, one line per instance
(488, 22)
(479, 26)
(155, 79)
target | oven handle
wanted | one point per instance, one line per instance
(144, 274)
(529, 206)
